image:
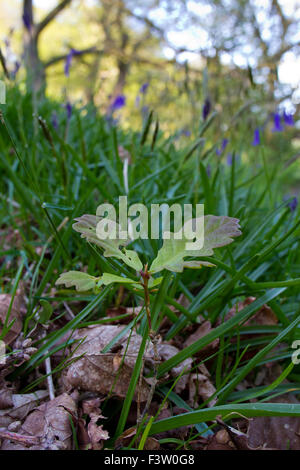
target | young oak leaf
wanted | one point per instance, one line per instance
(82, 281)
(87, 225)
(218, 231)
(108, 278)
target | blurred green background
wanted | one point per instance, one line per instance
(240, 57)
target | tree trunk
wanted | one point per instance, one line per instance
(121, 81)
(35, 73)
(92, 79)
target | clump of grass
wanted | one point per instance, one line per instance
(49, 181)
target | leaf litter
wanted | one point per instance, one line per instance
(31, 421)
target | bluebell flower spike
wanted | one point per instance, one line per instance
(256, 137)
(118, 103)
(206, 109)
(223, 147)
(144, 88)
(288, 119)
(277, 123)
(293, 204)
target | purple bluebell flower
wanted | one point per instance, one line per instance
(68, 64)
(256, 137)
(223, 147)
(186, 133)
(69, 60)
(277, 123)
(68, 108)
(110, 120)
(288, 119)
(229, 159)
(16, 69)
(137, 101)
(145, 110)
(118, 103)
(206, 109)
(144, 88)
(54, 120)
(293, 204)
(208, 170)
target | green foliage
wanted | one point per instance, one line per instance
(217, 232)
(43, 188)
(81, 281)
(86, 225)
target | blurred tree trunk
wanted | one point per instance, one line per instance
(35, 70)
(35, 73)
(122, 76)
(90, 89)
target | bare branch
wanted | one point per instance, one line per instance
(3, 63)
(59, 58)
(51, 15)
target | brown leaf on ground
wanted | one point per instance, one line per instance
(200, 386)
(127, 437)
(6, 400)
(132, 312)
(199, 444)
(220, 441)
(96, 433)
(178, 433)
(264, 316)
(16, 314)
(95, 372)
(11, 237)
(268, 373)
(83, 439)
(49, 424)
(166, 351)
(202, 331)
(20, 406)
(182, 300)
(281, 433)
(239, 439)
(151, 444)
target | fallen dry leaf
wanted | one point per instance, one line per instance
(96, 432)
(16, 314)
(220, 441)
(166, 351)
(202, 331)
(97, 372)
(127, 437)
(20, 406)
(281, 433)
(5, 396)
(130, 313)
(201, 386)
(264, 316)
(178, 433)
(49, 424)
